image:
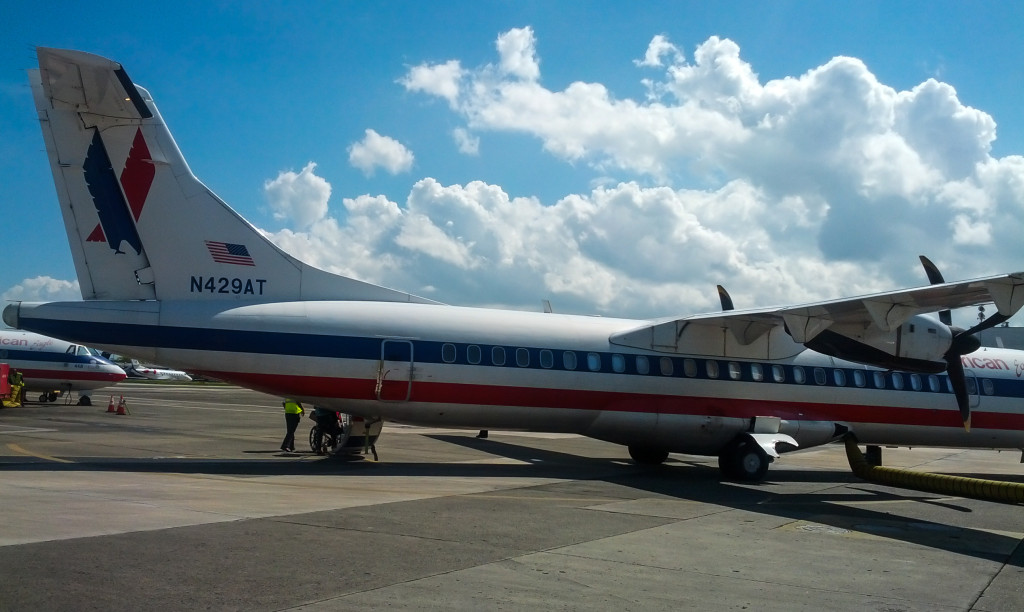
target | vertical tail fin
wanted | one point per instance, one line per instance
(140, 224)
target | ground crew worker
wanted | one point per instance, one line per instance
(17, 383)
(292, 416)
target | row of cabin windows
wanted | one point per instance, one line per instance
(712, 369)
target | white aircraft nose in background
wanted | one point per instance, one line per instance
(52, 367)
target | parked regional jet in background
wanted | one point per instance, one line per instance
(171, 274)
(138, 370)
(53, 367)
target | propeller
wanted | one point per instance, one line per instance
(963, 343)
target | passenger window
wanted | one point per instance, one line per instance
(933, 383)
(473, 354)
(839, 376)
(448, 353)
(690, 368)
(879, 378)
(594, 362)
(569, 360)
(987, 387)
(778, 373)
(897, 381)
(915, 382)
(799, 375)
(498, 355)
(735, 372)
(547, 359)
(712, 368)
(618, 363)
(819, 376)
(665, 366)
(859, 378)
(756, 372)
(643, 366)
(522, 357)
(972, 386)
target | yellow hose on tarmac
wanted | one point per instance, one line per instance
(960, 486)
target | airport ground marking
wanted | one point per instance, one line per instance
(22, 451)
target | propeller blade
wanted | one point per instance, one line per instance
(955, 369)
(935, 278)
(992, 321)
(725, 298)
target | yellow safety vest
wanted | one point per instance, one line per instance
(292, 407)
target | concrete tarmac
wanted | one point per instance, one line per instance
(187, 504)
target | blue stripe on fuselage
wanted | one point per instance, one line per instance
(50, 357)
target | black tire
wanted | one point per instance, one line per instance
(749, 462)
(51, 397)
(43, 398)
(645, 455)
(82, 401)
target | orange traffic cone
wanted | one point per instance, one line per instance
(121, 407)
(110, 406)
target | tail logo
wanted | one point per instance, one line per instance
(117, 216)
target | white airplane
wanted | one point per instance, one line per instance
(138, 370)
(52, 367)
(171, 274)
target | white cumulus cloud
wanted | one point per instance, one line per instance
(810, 186)
(847, 169)
(43, 289)
(298, 196)
(376, 151)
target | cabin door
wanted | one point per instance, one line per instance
(394, 371)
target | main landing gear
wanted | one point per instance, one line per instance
(744, 459)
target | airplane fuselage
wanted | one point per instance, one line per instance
(48, 364)
(468, 367)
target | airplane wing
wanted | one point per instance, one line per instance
(759, 328)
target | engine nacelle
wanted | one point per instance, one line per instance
(918, 345)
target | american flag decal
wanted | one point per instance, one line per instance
(224, 252)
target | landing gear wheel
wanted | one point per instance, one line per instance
(82, 401)
(645, 455)
(43, 398)
(744, 460)
(51, 396)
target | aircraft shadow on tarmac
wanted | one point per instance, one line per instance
(677, 479)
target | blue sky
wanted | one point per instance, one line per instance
(615, 158)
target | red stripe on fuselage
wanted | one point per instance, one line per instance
(574, 399)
